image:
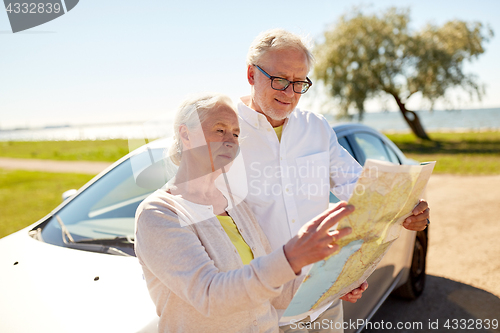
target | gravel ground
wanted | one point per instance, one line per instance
(465, 230)
(463, 262)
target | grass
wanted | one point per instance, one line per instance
(471, 153)
(99, 150)
(27, 196)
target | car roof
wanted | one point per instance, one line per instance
(343, 129)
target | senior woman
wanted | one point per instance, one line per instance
(207, 263)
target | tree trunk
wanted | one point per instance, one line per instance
(412, 119)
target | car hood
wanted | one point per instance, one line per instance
(47, 288)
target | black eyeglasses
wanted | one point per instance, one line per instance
(279, 83)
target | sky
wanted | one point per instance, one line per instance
(118, 61)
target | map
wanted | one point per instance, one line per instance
(384, 197)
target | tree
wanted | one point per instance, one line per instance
(364, 56)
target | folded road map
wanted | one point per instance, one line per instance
(384, 197)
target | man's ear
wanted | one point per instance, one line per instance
(251, 74)
(184, 136)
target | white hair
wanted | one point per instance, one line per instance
(192, 112)
(277, 39)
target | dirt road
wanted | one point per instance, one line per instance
(463, 262)
(465, 230)
(85, 167)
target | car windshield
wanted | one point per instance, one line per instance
(104, 213)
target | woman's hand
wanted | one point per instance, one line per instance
(314, 240)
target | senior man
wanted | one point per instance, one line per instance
(292, 157)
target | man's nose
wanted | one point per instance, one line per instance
(289, 90)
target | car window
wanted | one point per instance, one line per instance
(372, 146)
(105, 210)
(343, 142)
(392, 155)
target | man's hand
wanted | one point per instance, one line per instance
(314, 240)
(420, 218)
(356, 294)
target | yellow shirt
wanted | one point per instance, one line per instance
(279, 131)
(234, 235)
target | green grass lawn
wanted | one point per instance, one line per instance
(456, 153)
(27, 196)
(99, 150)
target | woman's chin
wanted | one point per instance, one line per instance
(223, 163)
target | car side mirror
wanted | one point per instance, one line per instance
(68, 194)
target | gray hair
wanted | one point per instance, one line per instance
(276, 39)
(192, 112)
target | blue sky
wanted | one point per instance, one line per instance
(116, 61)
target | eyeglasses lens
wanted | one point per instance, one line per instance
(282, 84)
(300, 87)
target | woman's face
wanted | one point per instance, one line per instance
(216, 145)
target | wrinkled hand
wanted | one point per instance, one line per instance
(418, 221)
(356, 294)
(314, 240)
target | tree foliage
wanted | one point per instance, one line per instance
(363, 56)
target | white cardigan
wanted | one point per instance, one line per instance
(196, 277)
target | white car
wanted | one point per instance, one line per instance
(75, 270)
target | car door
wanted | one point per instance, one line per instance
(365, 145)
(372, 146)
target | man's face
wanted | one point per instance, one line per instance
(276, 105)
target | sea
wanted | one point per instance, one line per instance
(388, 122)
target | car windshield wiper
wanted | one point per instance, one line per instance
(66, 235)
(127, 241)
(86, 244)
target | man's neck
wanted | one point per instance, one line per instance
(248, 101)
(274, 123)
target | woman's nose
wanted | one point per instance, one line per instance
(231, 139)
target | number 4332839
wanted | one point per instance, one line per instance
(471, 324)
(33, 8)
